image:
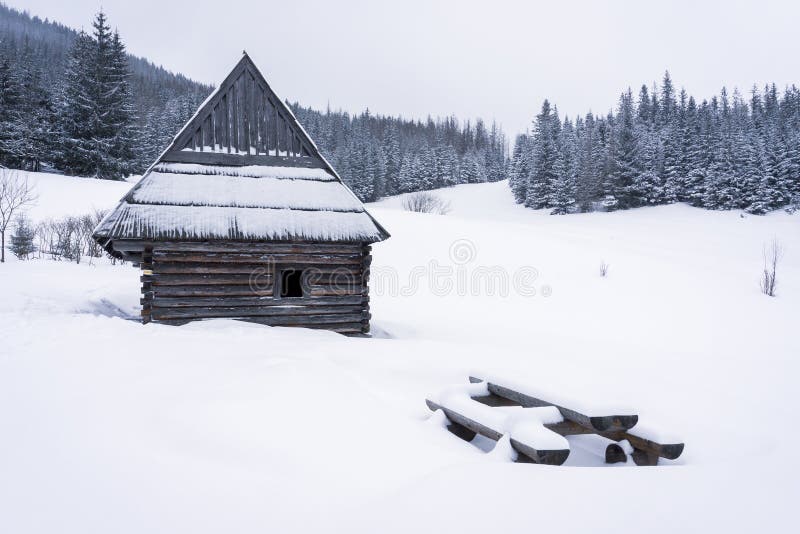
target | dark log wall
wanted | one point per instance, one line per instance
(184, 281)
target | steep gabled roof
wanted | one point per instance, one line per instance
(241, 168)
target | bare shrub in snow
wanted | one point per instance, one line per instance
(15, 193)
(604, 269)
(772, 255)
(424, 202)
(69, 238)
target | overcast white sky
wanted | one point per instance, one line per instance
(497, 59)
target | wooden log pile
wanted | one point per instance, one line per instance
(616, 431)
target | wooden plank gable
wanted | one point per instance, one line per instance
(244, 122)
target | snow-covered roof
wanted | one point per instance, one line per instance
(264, 179)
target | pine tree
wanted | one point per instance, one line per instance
(393, 161)
(563, 195)
(78, 153)
(544, 149)
(410, 174)
(96, 110)
(789, 166)
(11, 130)
(520, 168)
(674, 165)
(626, 167)
(121, 116)
(590, 158)
(22, 240)
(692, 189)
(667, 104)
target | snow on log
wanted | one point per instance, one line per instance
(528, 398)
(525, 427)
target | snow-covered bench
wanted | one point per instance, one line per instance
(525, 428)
(536, 427)
(647, 445)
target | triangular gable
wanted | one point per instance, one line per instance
(244, 123)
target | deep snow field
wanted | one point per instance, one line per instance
(107, 425)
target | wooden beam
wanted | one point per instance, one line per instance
(297, 319)
(238, 160)
(264, 301)
(606, 423)
(189, 280)
(548, 457)
(346, 260)
(321, 274)
(212, 291)
(256, 247)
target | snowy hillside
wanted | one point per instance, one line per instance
(220, 426)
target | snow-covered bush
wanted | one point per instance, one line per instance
(426, 203)
(604, 269)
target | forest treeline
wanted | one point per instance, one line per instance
(662, 147)
(76, 102)
(379, 156)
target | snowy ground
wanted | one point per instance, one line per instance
(110, 426)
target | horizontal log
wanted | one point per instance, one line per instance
(269, 300)
(317, 278)
(251, 311)
(238, 160)
(606, 423)
(212, 291)
(268, 258)
(212, 268)
(192, 280)
(246, 268)
(548, 457)
(297, 316)
(333, 291)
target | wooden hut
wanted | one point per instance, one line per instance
(241, 217)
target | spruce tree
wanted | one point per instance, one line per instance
(79, 153)
(121, 116)
(22, 240)
(626, 163)
(667, 103)
(11, 130)
(563, 196)
(544, 149)
(96, 111)
(520, 168)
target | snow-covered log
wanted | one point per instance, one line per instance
(525, 428)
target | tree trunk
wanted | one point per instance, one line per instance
(3, 247)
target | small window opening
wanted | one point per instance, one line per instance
(291, 283)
